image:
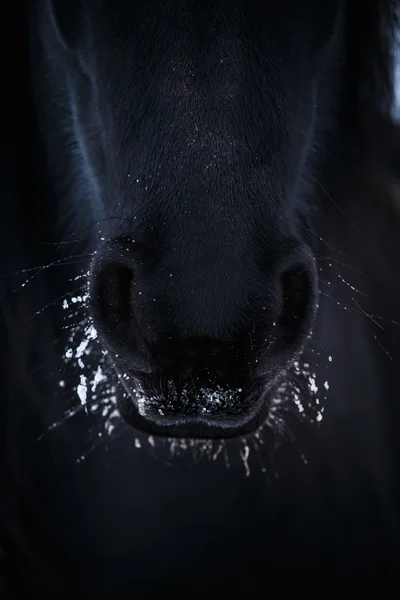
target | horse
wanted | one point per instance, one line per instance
(200, 320)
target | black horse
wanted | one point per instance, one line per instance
(200, 264)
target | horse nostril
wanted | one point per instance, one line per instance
(111, 295)
(297, 295)
(298, 284)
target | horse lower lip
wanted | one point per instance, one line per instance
(193, 428)
(198, 427)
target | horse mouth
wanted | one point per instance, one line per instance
(135, 409)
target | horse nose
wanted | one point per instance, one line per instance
(159, 342)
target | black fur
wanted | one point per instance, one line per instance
(212, 190)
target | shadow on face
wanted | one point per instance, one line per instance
(201, 128)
